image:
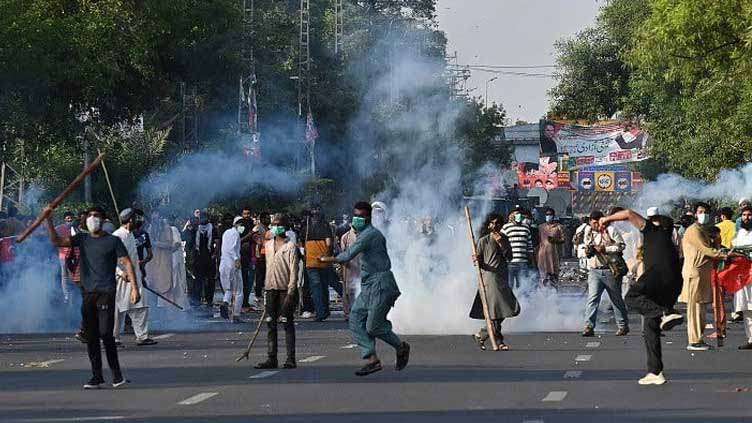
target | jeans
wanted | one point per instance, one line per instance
(320, 280)
(99, 322)
(518, 272)
(278, 305)
(600, 280)
(651, 330)
(248, 284)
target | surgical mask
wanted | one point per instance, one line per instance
(358, 223)
(278, 230)
(93, 224)
(549, 218)
(702, 218)
(519, 218)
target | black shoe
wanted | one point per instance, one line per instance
(94, 384)
(479, 341)
(737, 317)
(588, 332)
(403, 356)
(119, 382)
(622, 331)
(369, 368)
(81, 337)
(671, 320)
(147, 341)
(289, 364)
(268, 364)
(747, 346)
(223, 311)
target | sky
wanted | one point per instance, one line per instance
(512, 32)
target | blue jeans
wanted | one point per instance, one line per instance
(320, 280)
(518, 272)
(600, 280)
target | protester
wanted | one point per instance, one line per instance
(247, 259)
(319, 242)
(138, 312)
(600, 242)
(493, 254)
(143, 243)
(378, 293)
(260, 229)
(179, 292)
(159, 271)
(521, 241)
(203, 262)
(657, 289)
(727, 227)
(551, 235)
(350, 273)
(743, 297)
(230, 272)
(65, 230)
(101, 253)
(578, 241)
(281, 291)
(698, 265)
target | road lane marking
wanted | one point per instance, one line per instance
(69, 419)
(555, 396)
(164, 336)
(532, 421)
(583, 357)
(593, 345)
(311, 359)
(44, 364)
(198, 398)
(265, 374)
(573, 374)
(349, 346)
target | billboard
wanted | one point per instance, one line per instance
(604, 143)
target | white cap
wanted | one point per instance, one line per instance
(236, 220)
(743, 200)
(653, 211)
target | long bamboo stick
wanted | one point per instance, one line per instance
(109, 186)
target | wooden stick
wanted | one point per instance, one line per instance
(109, 185)
(481, 284)
(247, 352)
(60, 198)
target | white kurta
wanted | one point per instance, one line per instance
(179, 292)
(230, 276)
(743, 297)
(123, 295)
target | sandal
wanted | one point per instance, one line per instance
(479, 341)
(503, 347)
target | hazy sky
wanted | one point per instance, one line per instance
(512, 32)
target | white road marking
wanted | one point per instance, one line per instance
(349, 346)
(198, 398)
(44, 364)
(532, 421)
(583, 357)
(555, 396)
(311, 359)
(164, 336)
(572, 374)
(592, 345)
(265, 374)
(69, 419)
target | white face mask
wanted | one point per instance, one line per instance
(93, 224)
(549, 218)
(702, 218)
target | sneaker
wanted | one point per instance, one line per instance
(369, 368)
(747, 346)
(119, 382)
(700, 346)
(147, 341)
(623, 331)
(737, 317)
(588, 332)
(268, 364)
(94, 384)
(307, 315)
(671, 320)
(289, 364)
(224, 311)
(81, 337)
(652, 379)
(403, 356)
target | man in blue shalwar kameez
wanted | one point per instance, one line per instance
(379, 291)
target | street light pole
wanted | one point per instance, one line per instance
(485, 102)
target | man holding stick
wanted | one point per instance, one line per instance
(379, 291)
(100, 254)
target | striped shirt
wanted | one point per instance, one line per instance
(521, 241)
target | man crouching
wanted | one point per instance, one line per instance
(281, 291)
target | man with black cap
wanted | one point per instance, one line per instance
(656, 291)
(138, 312)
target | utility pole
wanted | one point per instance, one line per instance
(339, 21)
(304, 73)
(87, 160)
(485, 102)
(247, 108)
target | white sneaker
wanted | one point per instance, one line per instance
(669, 321)
(307, 315)
(698, 347)
(652, 379)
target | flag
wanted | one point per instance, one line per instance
(310, 133)
(252, 107)
(736, 274)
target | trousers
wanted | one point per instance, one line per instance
(368, 314)
(99, 321)
(320, 280)
(278, 305)
(231, 279)
(695, 321)
(651, 331)
(600, 280)
(139, 318)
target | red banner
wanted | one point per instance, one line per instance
(736, 275)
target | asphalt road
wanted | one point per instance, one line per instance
(546, 377)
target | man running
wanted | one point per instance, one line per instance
(656, 291)
(378, 292)
(100, 253)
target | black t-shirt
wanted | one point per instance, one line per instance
(98, 260)
(658, 245)
(143, 243)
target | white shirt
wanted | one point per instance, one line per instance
(230, 247)
(743, 238)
